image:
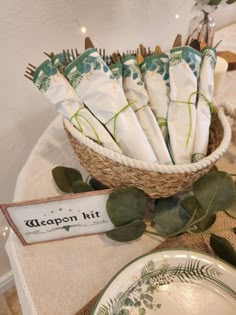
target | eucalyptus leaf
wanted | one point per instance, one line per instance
(223, 249)
(191, 204)
(215, 191)
(214, 2)
(170, 216)
(232, 210)
(214, 168)
(96, 184)
(127, 232)
(64, 177)
(80, 186)
(230, 1)
(126, 205)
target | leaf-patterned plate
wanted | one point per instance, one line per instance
(171, 282)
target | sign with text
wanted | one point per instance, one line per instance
(59, 217)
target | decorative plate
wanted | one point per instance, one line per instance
(171, 282)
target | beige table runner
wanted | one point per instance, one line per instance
(198, 242)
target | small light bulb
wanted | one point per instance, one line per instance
(6, 228)
(177, 16)
(83, 29)
(4, 233)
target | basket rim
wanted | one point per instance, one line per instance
(151, 166)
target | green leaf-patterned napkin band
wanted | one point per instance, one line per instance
(158, 64)
(82, 65)
(188, 54)
(211, 52)
(79, 61)
(42, 75)
(116, 69)
(59, 61)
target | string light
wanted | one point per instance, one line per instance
(83, 29)
(5, 231)
(177, 16)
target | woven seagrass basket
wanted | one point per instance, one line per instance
(157, 181)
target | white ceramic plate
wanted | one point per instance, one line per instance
(171, 282)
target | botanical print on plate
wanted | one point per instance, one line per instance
(175, 283)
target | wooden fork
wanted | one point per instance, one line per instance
(30, 71)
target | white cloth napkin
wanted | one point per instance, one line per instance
(136, 94)
(155, 70)
(184, 71)
(59, 92)
(206, 89)
(104, 96)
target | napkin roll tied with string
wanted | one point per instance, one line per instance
(104, 96)
(58, 91)
(205, 95)
(136, 95)
(184, 72)
(155, 70)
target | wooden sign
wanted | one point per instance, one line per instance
(60, 217)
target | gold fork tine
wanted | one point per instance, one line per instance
(51, 55)
(31, 65)
(68, 55)
(29, 72)
(76, 52)
(65, 59)
(72, 53)
(31, 79)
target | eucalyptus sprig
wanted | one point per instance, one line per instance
(210, 5)
(176, 215)
(69, 180)
(169, 217)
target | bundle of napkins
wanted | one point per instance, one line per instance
(158, 111)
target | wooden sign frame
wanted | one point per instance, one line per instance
(98, 198)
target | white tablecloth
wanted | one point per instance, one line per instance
(60, 277)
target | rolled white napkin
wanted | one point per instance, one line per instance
(206, 89)
(104, 96)
(58, 91)
(136, 94)
(155, 70)
(184, 71)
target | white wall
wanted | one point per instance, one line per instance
(27, 28)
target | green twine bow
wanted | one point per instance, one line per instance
(209, 103)
(78, 114)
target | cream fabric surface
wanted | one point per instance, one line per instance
(60, 277)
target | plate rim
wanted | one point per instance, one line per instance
(194, 251)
